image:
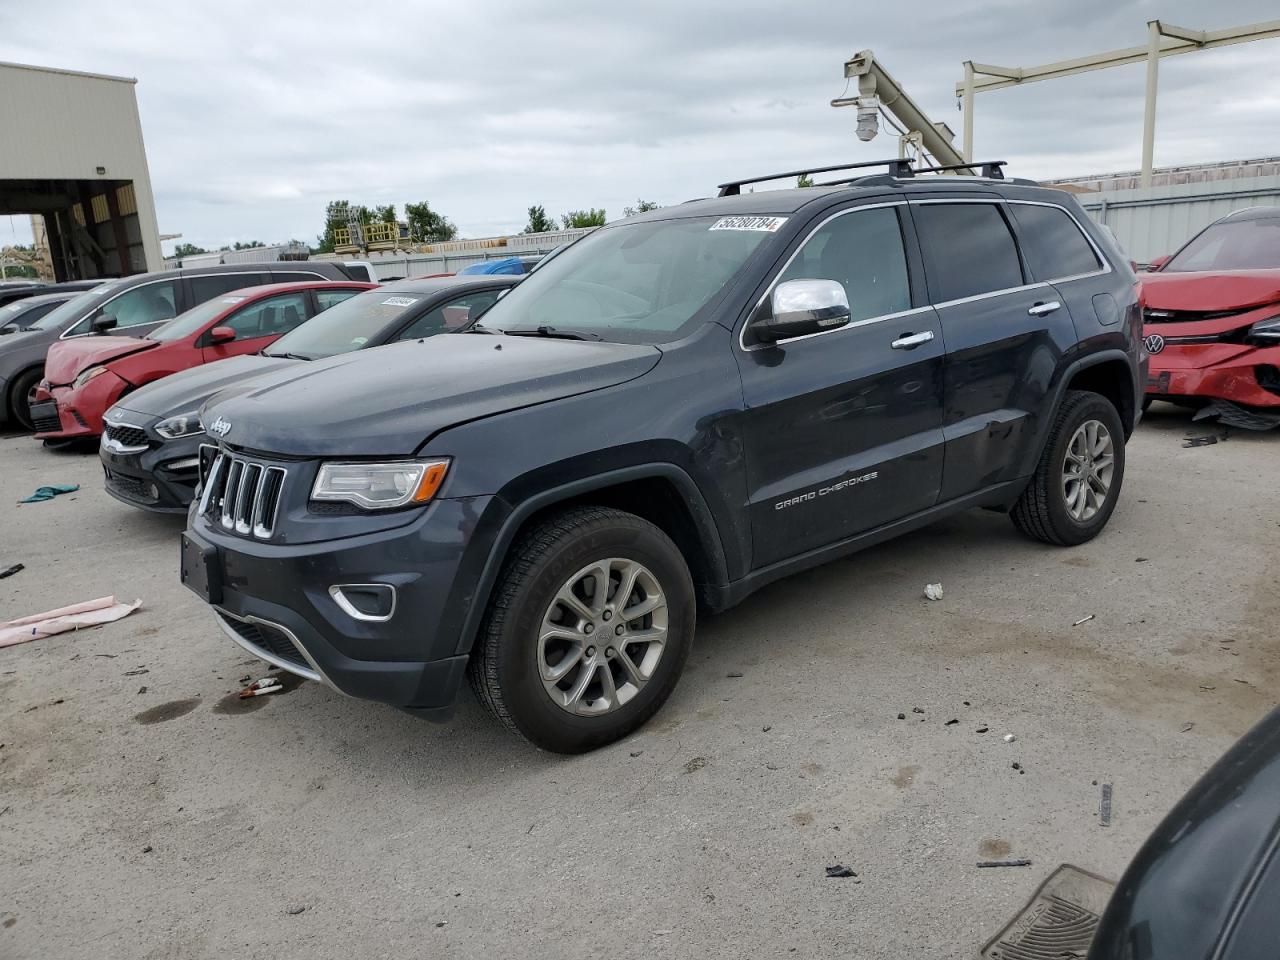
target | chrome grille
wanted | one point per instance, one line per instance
(124, 437)
(241, 495)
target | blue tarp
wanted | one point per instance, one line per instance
(505, 266)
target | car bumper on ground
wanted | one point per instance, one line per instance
(161, 479)
(1245, 375)
(275, 600)
(69, 413)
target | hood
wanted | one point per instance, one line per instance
(188, 389)
(388, 401)
(68, 357)
(1210, 291)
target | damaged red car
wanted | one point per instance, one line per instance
(86, 375)
(1212, 321)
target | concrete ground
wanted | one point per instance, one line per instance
(180, 822)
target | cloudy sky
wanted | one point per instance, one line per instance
(255, 115)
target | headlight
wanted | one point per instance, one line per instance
(186, 425)
(86, 375)
(380, 486)
(1265, 333)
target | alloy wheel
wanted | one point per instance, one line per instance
(1087, 470)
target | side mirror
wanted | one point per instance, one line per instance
(1158, 262)
(221, 335)
(104, 323)
(798, 308)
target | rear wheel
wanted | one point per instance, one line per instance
(587, 632)
(20, 397)
(1076, 484)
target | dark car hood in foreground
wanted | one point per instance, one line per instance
(1180, 895)
(1210, 291)
(188, 389)
(388, 401)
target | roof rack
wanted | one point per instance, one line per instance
(898, 167)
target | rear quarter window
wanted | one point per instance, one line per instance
(969, 247)
(1052, 242)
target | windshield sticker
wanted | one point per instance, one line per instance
(359, 341)
(400, 301)
(762, 224)
(234, 299)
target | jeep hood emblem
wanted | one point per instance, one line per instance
(221, 427)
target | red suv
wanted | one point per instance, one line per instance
(1212, 321)
(85, 376)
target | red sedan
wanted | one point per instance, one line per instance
(86, 375)
(1212, 321)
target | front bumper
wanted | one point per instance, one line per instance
(161, 479)
(273, 599)
(1246, 375)
(68, 413)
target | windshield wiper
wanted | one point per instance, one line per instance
(480, 328)
(287, 356)
(545, 331)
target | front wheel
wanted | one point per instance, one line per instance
(1076, 484)
(20, 397)
(587, 631)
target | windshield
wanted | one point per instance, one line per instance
(633, 283)
(73, 309)
(188, 323)
(348, 325)
(1235, 245)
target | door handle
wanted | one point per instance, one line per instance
(1040, 309)
(909, 341)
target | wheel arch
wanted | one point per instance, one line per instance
(661, 493)
(11, 392)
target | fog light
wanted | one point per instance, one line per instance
(371, 602)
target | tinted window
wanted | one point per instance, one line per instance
(270, 317)
(864, 252)
(1052, 242)
(971, 250)
(1237, 245)
(328, 298)
(141, 305)
(453, 315)
(209, 286)
(350, 325)
(24, 314)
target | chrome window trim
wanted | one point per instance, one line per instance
(68, 335)
(114, 446)
(742, 333)
(349, 609)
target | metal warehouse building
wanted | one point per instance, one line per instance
(1156, 220)
(71, 151)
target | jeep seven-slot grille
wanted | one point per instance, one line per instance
(242, 496)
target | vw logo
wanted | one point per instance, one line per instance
(222, 427)
(1155, 343)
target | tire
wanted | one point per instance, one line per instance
(23, 384)
(1044, 512)
(512, 672)
(1146, 404)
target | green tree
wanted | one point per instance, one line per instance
(539, 222)
(188, 250)
(336, 214)
(583, 218)
(642, 206)
(804, 180)
(385, 214)
(427, 226)
(251, 245)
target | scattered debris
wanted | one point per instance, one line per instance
(441, 923)
(966, 703)
(1017, 766)
(636, 753)
(982, 730)
(294, 911)
(1200, 441)
(16, 568)
(933, 591)
(734, 674)
(902, 716)
(260, 687)
(917, 709)
(89, 613)
(1187, 727)
(1104, 808)
(1139, 559)
(1009, 738)
(1207, 687)
(51, 491)
(246, 678)
(142, 689)
(697, 763)
(136, 673)
(840, 870)
(1232, 415)
(1084, 619)
(147, 848)
(765, 729)
(1004, 863)
(951, 723)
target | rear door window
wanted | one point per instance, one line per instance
(1052, 242)
(328, 298)
(970, 249)
(202, 288)
(270, 317)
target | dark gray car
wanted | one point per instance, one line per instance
(135, 305)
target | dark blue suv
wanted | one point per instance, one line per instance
(677, 409)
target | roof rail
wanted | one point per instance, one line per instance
(989, 168)
(897, 166)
